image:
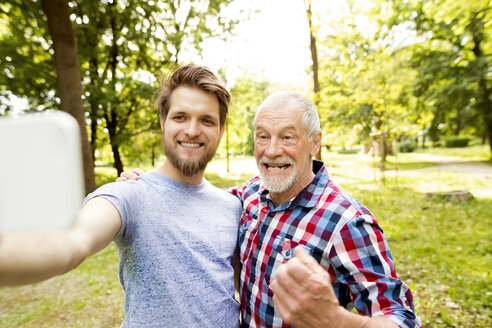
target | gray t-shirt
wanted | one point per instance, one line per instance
(176, 247)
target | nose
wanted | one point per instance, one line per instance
(192, 129)
(273, 148)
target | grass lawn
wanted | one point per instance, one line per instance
(442, 248)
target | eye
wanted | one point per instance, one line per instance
(179, 118)
(209, 122)
(288, 137)
(262, 137)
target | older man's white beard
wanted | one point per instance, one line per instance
(278, 184)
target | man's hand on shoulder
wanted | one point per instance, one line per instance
(130, 175)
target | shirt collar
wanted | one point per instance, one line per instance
(308, 197)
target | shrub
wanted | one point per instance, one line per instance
(349, 151)
(407, 147)
(457, 142)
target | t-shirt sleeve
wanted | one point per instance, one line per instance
(121, 195)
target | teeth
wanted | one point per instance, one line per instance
(190, 144)
(277, 168)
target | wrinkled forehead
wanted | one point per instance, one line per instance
(278, 106)
(280, 119)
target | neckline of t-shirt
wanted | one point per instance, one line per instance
(175, 183)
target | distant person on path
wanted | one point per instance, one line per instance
(309, 251)
(176, 234)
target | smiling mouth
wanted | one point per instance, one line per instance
(276, 167)
(189, 144)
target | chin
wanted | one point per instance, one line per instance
(278, 184)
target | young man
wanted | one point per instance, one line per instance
(175, 233)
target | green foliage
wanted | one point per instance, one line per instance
(89, 296)
(457, 141)
(362, 95)
(26, 59)
(407, 146)
(124, 46)
(226, 182)
(349, 151)
(412, 67)
(451, 53)
(247, 94)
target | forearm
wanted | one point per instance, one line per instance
(352, 320)
(33, 257)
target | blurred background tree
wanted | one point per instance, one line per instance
(123, 49)
(402, 71)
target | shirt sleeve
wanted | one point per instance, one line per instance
(361, 260)
(119, 194)
(236, 191)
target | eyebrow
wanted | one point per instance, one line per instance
(288, 127)
(211, 117)
(183, 112)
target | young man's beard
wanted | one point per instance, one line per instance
(188, 167)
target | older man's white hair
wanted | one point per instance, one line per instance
(310, 115)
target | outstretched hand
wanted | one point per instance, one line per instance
(130, 175)
(303, 293)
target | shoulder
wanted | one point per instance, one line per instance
(222, 195)
(250, 187)
(118, 190)
(340, 210)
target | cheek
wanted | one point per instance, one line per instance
(298, 155)
(258, 150)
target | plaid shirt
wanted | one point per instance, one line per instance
(338, 231)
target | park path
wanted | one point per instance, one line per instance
(448, 163)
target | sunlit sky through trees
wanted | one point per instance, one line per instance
(274, 42)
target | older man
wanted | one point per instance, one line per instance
(341, 257)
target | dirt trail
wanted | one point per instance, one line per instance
(447, 163)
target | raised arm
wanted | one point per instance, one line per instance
(27, 258)
(304, 297)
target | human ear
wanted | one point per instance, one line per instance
(316, 143)
(161, 120)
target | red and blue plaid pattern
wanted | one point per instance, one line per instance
(338, 231)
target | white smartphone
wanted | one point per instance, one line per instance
(41, 178)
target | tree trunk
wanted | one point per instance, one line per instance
(483, 104)
(383, 150)
(68, 76)
(153, 155)
(93, 138)
(118, 164)
(111, 125)
(489, 133)
(383, 156)
(459, 123)
(314, 57)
